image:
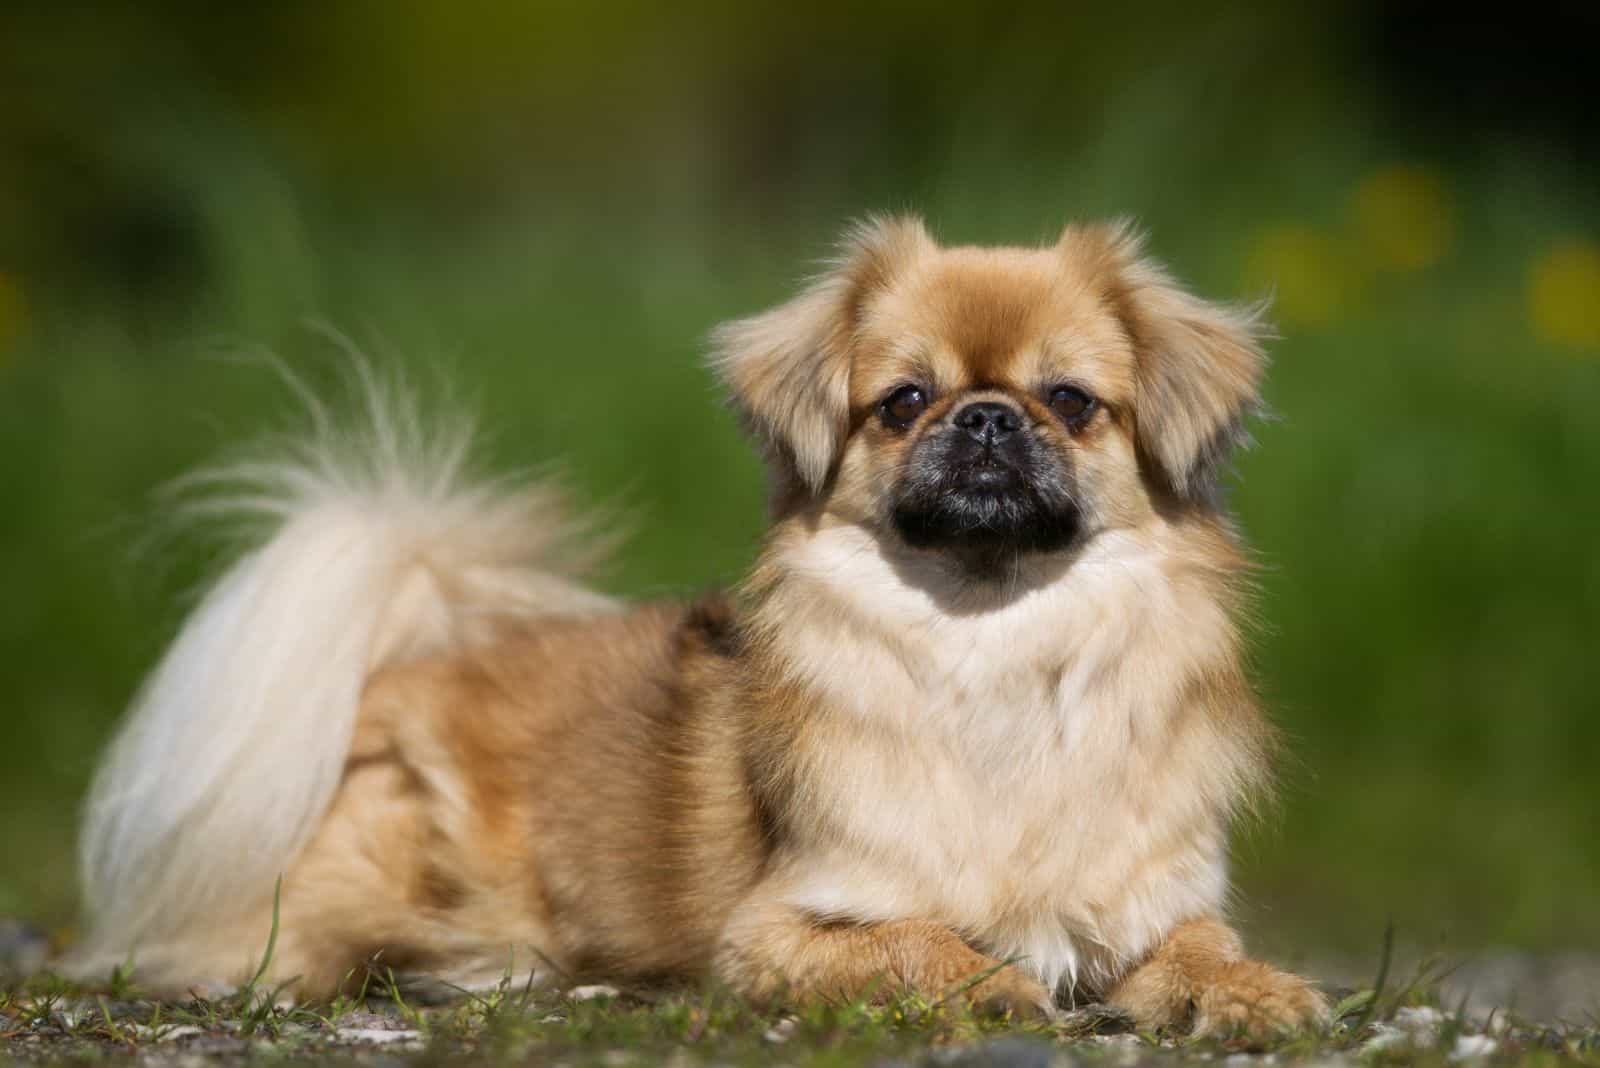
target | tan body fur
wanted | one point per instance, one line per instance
(880, 762)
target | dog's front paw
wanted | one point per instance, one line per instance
(1256, 1001)
(1011, 991)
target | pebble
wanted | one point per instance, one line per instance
(1470, 1046)
(1383, 1036)
(1494, 1022)
(781, 1032)
(371, 1021)
(167, 1034)
(1115, 1040)
(589, 993)
(72, 1015)
(1417, 1025)
(1419, 1019)
(377, 1036)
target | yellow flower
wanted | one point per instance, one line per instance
(1403, 218)
(1305, 270)
(1564, 294)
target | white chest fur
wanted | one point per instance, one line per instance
(1019, 769)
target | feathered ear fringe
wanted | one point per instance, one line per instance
(1200, 364)
(789, 369)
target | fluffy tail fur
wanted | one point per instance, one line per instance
(377, 549)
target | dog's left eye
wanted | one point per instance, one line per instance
(901, 408)
(1071, 404)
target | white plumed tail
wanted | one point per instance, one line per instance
(377, 549)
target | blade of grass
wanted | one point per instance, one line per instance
(272, 943)
(1378, 984)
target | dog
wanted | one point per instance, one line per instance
(975, 727)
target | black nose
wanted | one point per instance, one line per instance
(988, 421)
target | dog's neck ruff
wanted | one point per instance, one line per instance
(1029, 774)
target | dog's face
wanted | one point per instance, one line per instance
(984, 403)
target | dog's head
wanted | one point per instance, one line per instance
(987, 402)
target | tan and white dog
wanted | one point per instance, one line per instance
(980, 707)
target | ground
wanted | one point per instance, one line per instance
(46, 1021)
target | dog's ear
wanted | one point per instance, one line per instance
(1199, 364)
(789, 368)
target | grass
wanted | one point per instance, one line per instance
(47, 1021)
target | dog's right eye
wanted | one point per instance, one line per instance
(901, 408)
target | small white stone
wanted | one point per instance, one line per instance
(1419, 1019)
(781, 1032)
(1383, 1037)
(166, 1033)
(1497, 1023)
(589, 993)
(69, 1018)
(376, 1036)
(1470, 1046)
(1115, 1040)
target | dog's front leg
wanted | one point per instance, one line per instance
(1200, 975)
(773, 949)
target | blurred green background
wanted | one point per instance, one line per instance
(548, 206)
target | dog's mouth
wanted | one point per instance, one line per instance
(985, 506)
(987, 476)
